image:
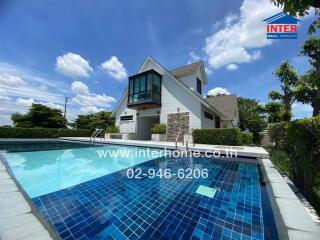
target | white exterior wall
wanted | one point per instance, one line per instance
(191, 80)
(206, 122)
(125, 126)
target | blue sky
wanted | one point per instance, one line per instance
(86, 49)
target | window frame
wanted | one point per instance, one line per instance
(137, 77)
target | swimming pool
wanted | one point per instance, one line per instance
(44, 171)
(106, 204)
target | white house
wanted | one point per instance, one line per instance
(173, 97)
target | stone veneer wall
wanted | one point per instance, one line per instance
(174, 122)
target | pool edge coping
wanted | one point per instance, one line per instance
(242, 151)
(34, 211)
(291, 223)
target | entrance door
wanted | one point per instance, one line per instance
(144, 125)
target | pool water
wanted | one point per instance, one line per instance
(44, 171)
(112, 206)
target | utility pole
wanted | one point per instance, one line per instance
(65, 106)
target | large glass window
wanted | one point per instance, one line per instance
(145, 87)
(156, 88)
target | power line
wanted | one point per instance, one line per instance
(38, 93)
(34, 95)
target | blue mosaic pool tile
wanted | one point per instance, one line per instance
(115, 207)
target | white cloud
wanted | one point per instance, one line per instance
(10, 80)
(4, 96)
(24, 102)
(30, 84)
(98, 100)
(24, 87)
(78, 87)
(90, 109)
(208, 71)
(232, 67)
(52, 105)
(28, 102)
(73, 65)
(218, 91)
(242, 36)
(230, 18)
(87, 101)
(193, 57)
(114, 68)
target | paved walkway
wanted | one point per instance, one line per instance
(244, 151)
(16, 218)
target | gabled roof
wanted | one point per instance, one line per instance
(185, 70)
(198, 96)
(188, 70)
(227, 104)
(281, 18)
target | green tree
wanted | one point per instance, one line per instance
(288, 78)
(39, 115)
(100, 119)
(300, 8)
(308, 88)
(275, 112)
(252, 118)
(82, 122)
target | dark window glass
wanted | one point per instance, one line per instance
(149, 81)
(199, 90)
(126, 118)
(142, 83)
(156, 88)
(131, 81)
(156, 83)
(218, 124)
(208, 115)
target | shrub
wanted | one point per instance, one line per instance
(221, 136)
(112, 129)
(246, 138)
(16, 132)
(65, 132)
(300, 141)
(278, 133)
(159, 128)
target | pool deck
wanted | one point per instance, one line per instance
(17, 218)
(242, 151)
